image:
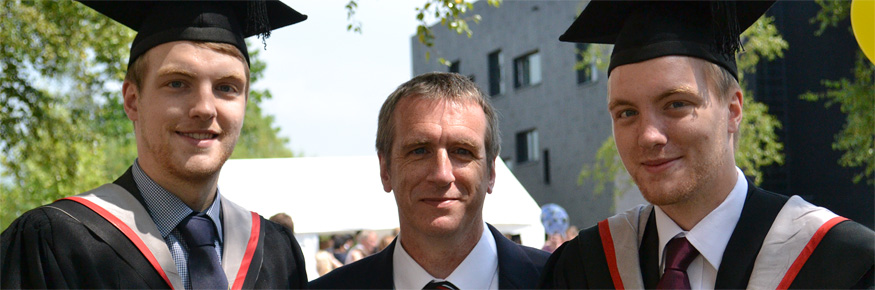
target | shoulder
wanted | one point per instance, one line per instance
(567, 266)
(42, 222)
(279, 241)
(537, 256)
(846, 255)
(362, 274)
(519, 253)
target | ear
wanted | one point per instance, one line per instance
(491, 176)
(131, 96)
(384, 173)
(736, 104)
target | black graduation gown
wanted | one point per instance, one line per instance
(843, 259)
(50, 247)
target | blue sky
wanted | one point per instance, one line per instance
(328, 84)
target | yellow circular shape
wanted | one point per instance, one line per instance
(863, 24)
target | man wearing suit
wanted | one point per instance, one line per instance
(676, 106)
(437, 141)
(164, 222)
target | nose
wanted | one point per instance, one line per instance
(652, 133)
(442, 170)
(203, 103)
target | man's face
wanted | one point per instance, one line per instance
(438, 169)
(672, 130)
(188, 110)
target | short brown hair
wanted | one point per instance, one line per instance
(137, 69)
(284, 220)
(724, 85)
(438, 86)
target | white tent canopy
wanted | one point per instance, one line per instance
(326, 195)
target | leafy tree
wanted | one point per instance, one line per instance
(452, 14)
(855, 97)
(758, 144)
(62, 124)
(59, 60)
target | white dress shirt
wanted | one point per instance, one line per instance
(709, 236)
(479, 270)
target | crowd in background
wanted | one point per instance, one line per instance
(340, 249)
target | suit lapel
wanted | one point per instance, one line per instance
(760, 209)
(383, 272)
(649, 253)
(514, 266)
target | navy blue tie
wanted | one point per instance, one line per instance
(204, 268)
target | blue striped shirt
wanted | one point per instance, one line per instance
(167, 211)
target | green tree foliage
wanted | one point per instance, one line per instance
(856, 98)
(58, 60)
(758, 145)
(62, 124)
(452, 14)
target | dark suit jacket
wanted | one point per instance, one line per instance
(518, 268)
(50, 248)
(843, 259)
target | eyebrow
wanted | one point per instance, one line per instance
(660, 97)
(175, 71)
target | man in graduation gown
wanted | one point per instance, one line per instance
(676, 106)
(437, 141)
(164, 223)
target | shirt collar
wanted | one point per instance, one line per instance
(479, 270)
(711, 234)
(166, 209)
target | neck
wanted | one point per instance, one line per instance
(196, 193)
(689, 213)
(439, 256)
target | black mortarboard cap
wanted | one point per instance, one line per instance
(158, 22)
(643, 30)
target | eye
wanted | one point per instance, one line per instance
(226, 88)
(463, 151)
(676, 105)
(176, 84)
(418, 151)
(627, 114)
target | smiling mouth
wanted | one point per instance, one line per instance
(659, 164)
(199, 136)
(439, 202)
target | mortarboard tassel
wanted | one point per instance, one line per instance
(725, 20)
(258, 21)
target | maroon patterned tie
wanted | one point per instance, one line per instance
(679, 253)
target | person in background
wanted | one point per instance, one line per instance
(437, 141)
(342, 244)
(367, 243)
(325, 261)
(164, 223)
(571, 233)
(285, 220)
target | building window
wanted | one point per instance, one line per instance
(454, 66)
(527, 146)
(496, 82)
(527, 70)
(585, 67)
(546, 166)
